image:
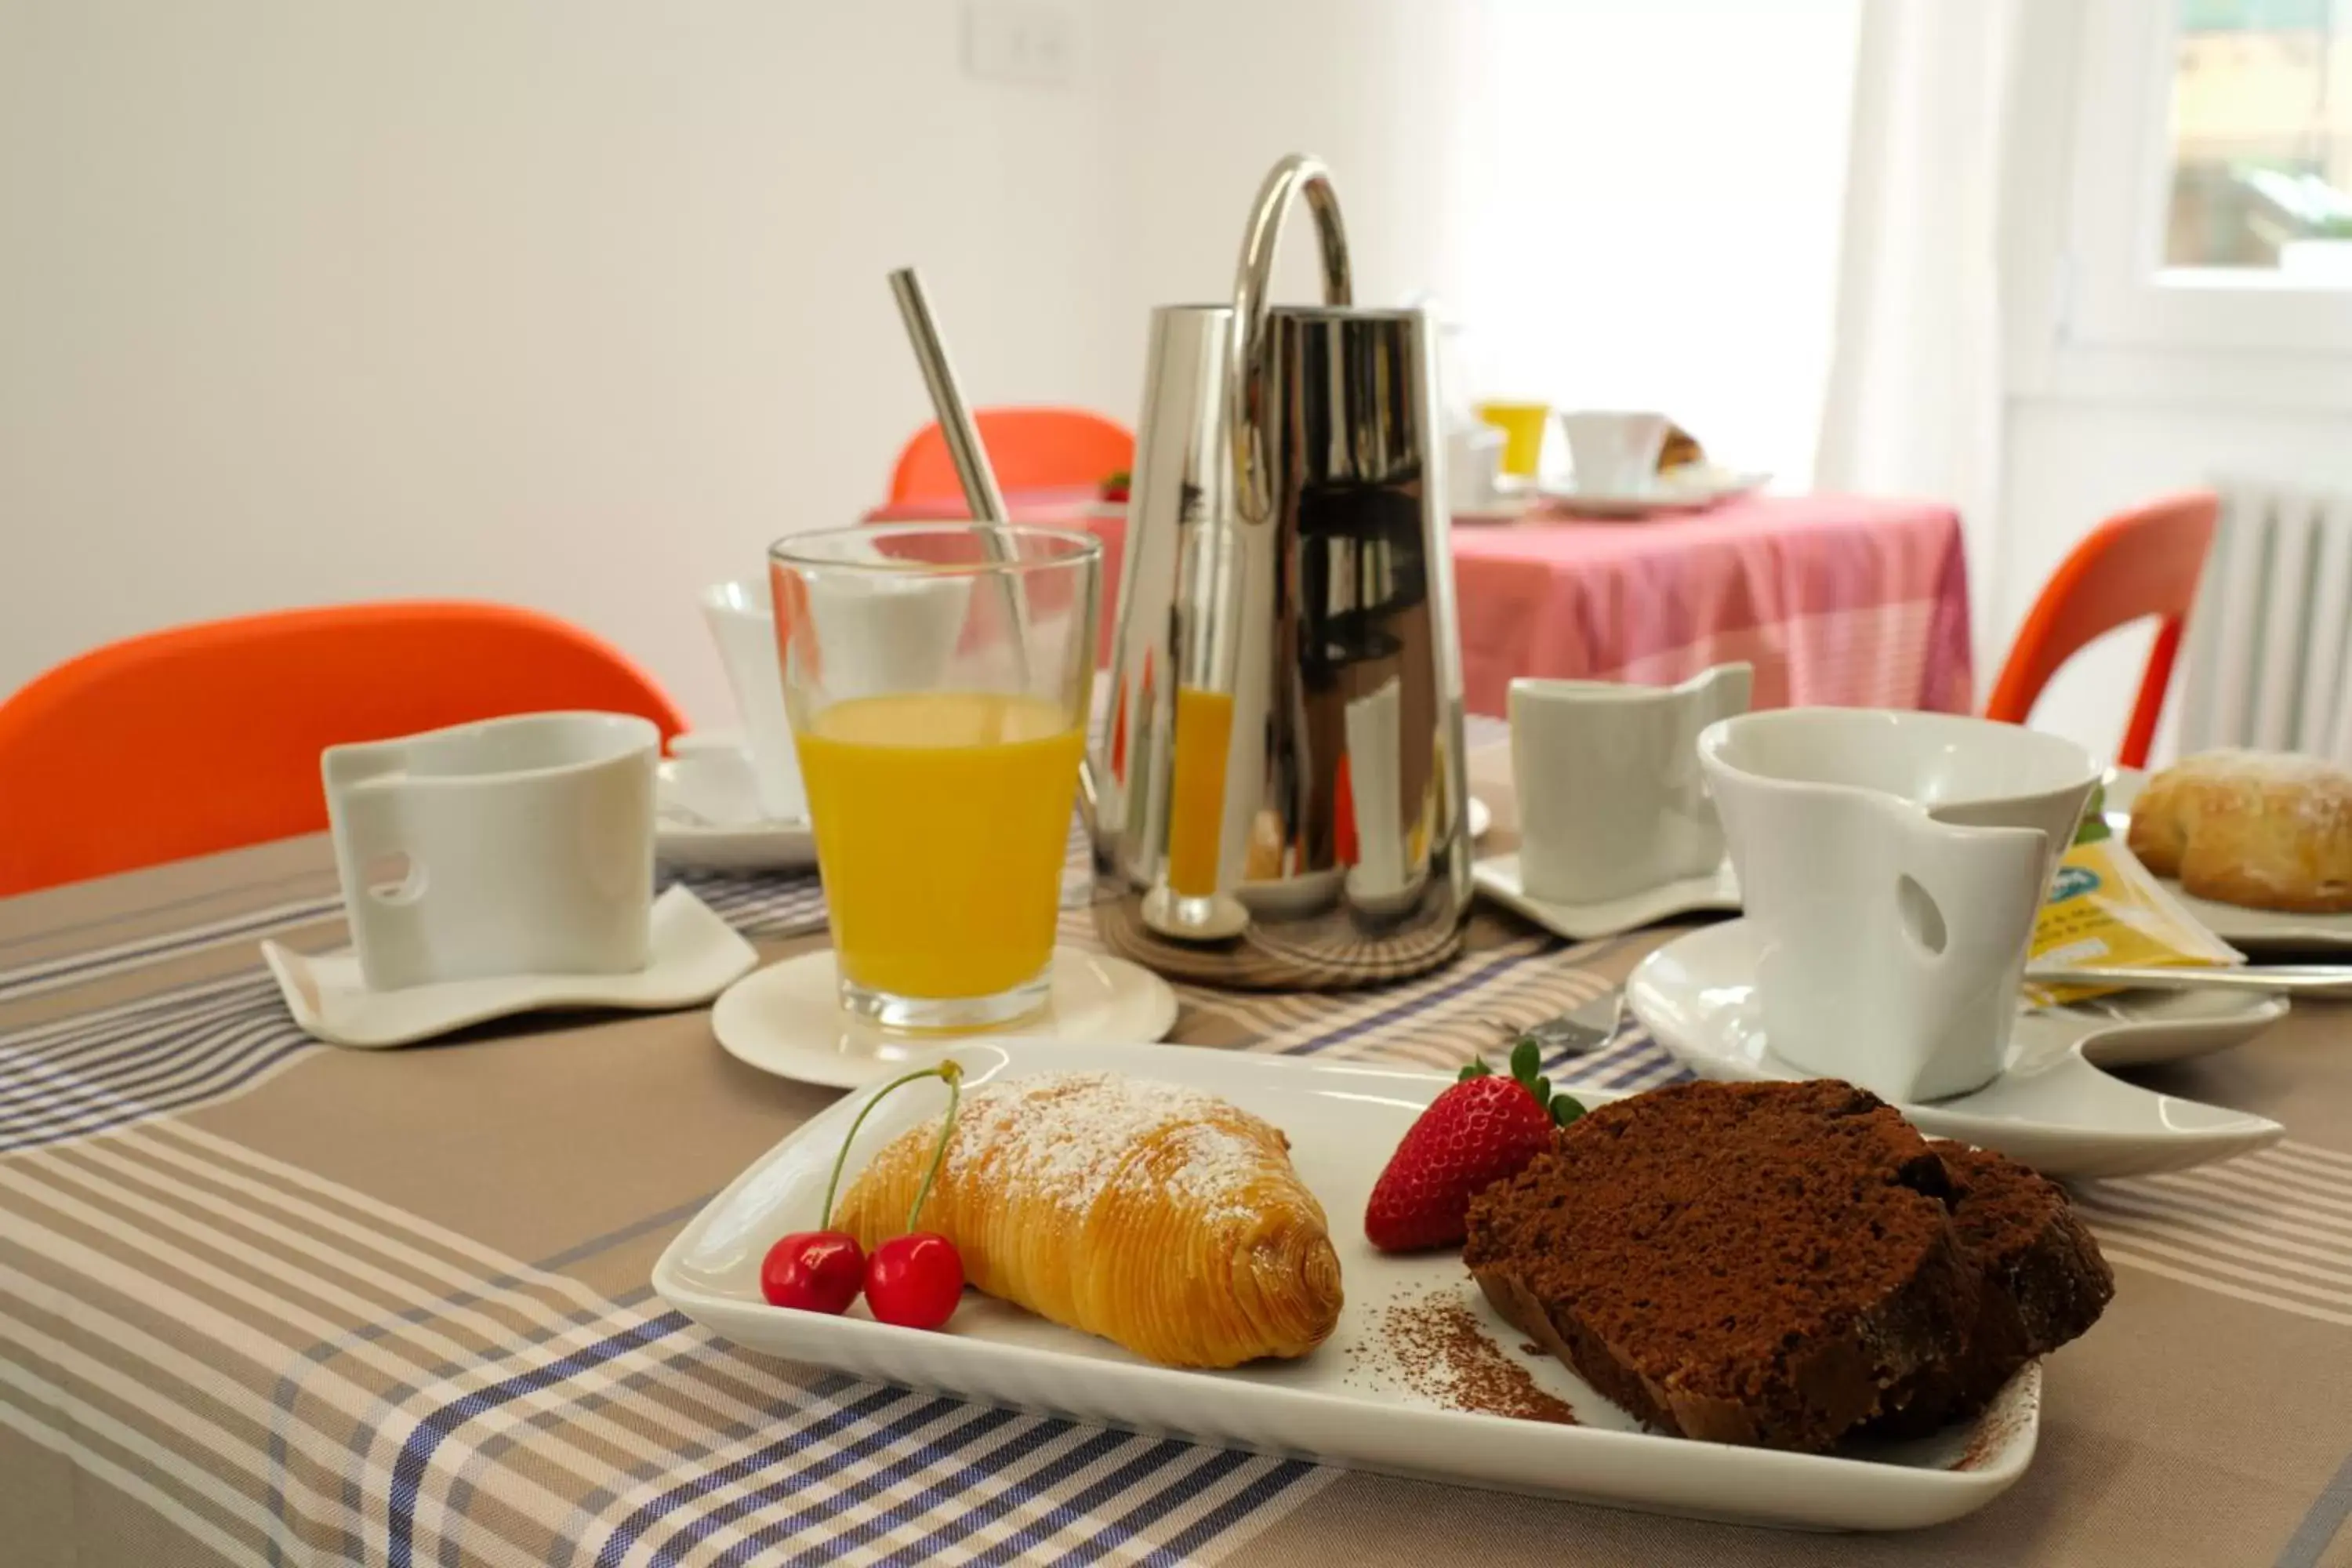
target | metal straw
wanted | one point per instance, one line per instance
(980, 488)
(980, 491)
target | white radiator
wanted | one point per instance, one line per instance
(2270, 642)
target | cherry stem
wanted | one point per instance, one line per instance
(954, 1077)
(953, 1073)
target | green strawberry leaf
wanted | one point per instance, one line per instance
(1526, 1057)
(1475, 1069)
(1565, 1109)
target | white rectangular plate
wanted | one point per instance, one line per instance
(2255, 930)
(1349, 1403)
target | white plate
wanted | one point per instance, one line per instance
(2052, 1108)
(1673, 491)
(1499, 510)
(707, 815)
(1481, 817)
(696, 955)
(2256, 931)
(1498, 879)
(1340, 1405)
(787, 1019)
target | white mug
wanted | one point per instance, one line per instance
(1474, 466)
(1893, 865)
(1614, 454)
(742, 620)
(525, 846)
(1611, 799)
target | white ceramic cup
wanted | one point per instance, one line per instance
(1613, 453)
(1474, 468)
(521, 845)
(1893, 865)
(1611, 799)
(742, 620)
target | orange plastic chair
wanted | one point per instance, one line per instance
(1030, 449)
(207, 737)
(2139, 564)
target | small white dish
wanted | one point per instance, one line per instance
(1496, 510)
(1346, 1403)
(1497, 877)
(1675, 490)
(787, 1019)
(707, 817)
(695, 956)
(1481, 818)
(2050, 1106)
(2254, 930)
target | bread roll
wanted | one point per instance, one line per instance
(2255, 828)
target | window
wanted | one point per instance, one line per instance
(2262, 140)
(2209, 204)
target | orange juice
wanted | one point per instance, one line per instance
(1196, 812)
(941, 820)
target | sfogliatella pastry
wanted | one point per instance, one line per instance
(2255, 828)
(1164, 1219)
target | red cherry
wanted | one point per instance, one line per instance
(915, 1280)
(812, 1271)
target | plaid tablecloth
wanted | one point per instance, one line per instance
(1838, 601)
(263, 1301)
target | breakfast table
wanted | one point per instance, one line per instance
(1837, 601)
(263, 1300)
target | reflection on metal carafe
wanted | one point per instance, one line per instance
(1280, 786)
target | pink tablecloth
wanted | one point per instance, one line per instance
(1834, 599)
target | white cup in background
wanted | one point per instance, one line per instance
(520, 846)
(1606, 778)
(1893, 865)
(742, 621)
(1614, 453)
(1474, 468)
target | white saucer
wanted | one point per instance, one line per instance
(1498, 879)
(787, 1019)
(2254, 930)
(2052, 1108)
(1676, 491)
(707, 815)
(696, 955)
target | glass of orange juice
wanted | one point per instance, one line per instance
(937, 676)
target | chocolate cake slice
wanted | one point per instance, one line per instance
(2044, 1284)
(1750, 1262)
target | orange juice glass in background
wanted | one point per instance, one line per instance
(937, 698)
(1523, 425)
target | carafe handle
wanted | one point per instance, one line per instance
(1245, 345)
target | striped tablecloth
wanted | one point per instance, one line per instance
(1838, 601)
(263, 1301)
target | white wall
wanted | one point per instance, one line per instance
(578, 304)
(572, 304)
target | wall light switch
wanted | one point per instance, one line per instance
(1021, 41)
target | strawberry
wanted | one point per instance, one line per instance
(1482, 1129)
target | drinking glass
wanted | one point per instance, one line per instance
(937, 676)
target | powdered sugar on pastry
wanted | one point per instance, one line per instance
(1073, 1132)
(2258, 829)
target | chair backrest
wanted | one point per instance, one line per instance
(2139, 564)
(207, 737)
(1030, 449)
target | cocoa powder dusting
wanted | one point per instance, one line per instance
(1448, 1358)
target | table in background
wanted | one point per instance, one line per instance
(1835, 600)
(267, 1302)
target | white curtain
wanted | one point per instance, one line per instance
(1914, 404)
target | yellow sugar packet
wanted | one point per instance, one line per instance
(2106, 909)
